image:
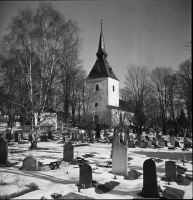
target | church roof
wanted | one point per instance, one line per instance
(101, 68)
(124, 106)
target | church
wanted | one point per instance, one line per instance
(107, 107)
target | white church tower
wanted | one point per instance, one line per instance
(104, 82)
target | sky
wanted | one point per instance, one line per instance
(140, 32)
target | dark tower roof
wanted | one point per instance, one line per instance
(101, 68)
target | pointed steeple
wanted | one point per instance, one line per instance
(101, 53)
(101, 68)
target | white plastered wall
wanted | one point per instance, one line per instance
(113, 96)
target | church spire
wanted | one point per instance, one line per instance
(101, 53)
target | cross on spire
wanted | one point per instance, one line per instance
(101, 53)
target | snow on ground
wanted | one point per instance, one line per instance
(64, 180)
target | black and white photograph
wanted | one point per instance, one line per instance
(96, 99)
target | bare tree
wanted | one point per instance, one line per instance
(138, 88)
(184, 83)
(160, 81)
(37, 42)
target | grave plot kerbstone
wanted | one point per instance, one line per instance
(85, 175)
(170, 171)
(3, 151)
(119, 161)
(150, 187)
(68, 152)
(30, 163)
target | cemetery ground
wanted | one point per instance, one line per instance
(64, 181)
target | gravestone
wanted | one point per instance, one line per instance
(172, 140)
(68, 152)
(115, 142)
(149, 143)
(143, 139)
(98, 131)
(21, 135)
(16, 136)
(43, 138)
(73, 135)
(50, 135)
(170, 171)
(131, 144)
(144, 144)
(166, 142)
(3, 151)
(30, 163)
(177, 144)
(150, 186)
(85, 176)
(119, 161)
(9, 136)
(76, 135)
(30, 137)
(67, 140)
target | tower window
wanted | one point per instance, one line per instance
(110, 69)
(96, 104)
(97, 87)
(113, 88)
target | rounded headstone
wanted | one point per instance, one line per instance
(30, 163)
(150, 187)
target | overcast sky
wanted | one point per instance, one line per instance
(140, 32)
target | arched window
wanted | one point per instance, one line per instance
(113, 88)
(96, 104)
(97, 87)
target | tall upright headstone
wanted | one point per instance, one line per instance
(98, 131)
(76, 134)
(3, 151)
(150, 188)
(68, 152)
(85, 175)
(119, 161)
(170, 171)
(16, 134)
